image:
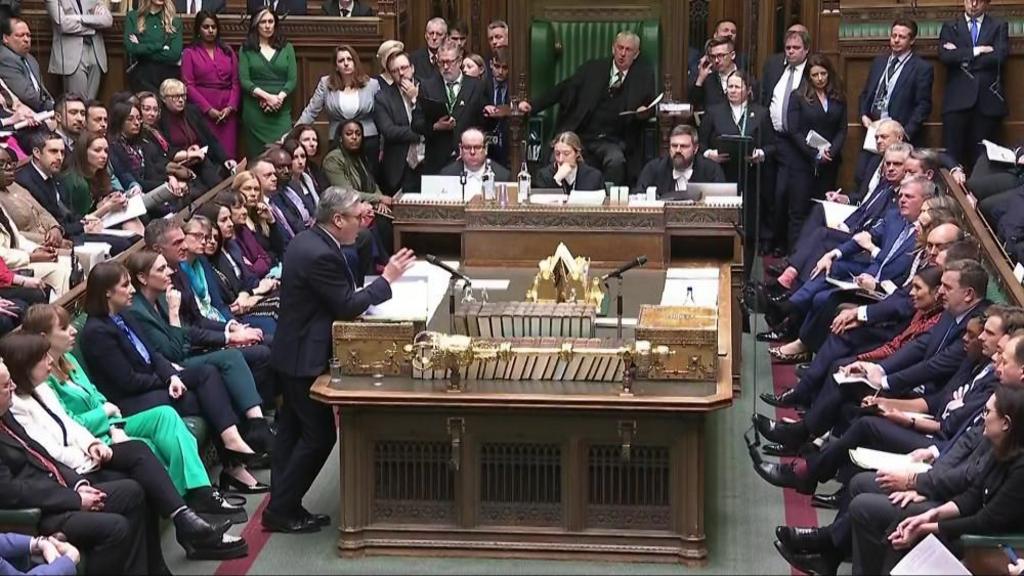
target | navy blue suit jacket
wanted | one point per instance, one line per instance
(317, 288)
(932, 358)
(868, 214)
(974, 81)
(910, 100)
(974, 397)
(885, 234)
(291, 213)
(114, 363)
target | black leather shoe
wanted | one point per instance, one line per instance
(826, 501)
(322, 520)
(785, 400)
(258, 434)
(815, 564)
(205, 541)
(273, 523)
(212, 505)
(783, 476)
(772, 336)
(229, 483)
(792, 435)
(796, 539)
(779, 450)
(801, 369)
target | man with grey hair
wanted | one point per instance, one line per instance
(593, 101)
(424, 60)
(318, 286)
(454, 103)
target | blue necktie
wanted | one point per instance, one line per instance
(974, 31)
(896, 246)
(946, 335)
(139, 346)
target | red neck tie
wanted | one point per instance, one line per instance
(46, 462)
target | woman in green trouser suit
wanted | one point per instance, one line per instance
(268, 74)
(161, 427)
(162, 330)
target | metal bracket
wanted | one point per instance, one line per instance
(627, 432)
(456, 428)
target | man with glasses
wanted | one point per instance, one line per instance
(707, 88)
(605, 103)
(318, 287)
(399, 119)
(453, 103)
(473, 160)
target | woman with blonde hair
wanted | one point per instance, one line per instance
(261, 221)
(384, 52)
(153, 42)
(567, 169)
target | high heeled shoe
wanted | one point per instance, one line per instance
(229, 483)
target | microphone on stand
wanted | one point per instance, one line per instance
(634, 263)
(455, 273)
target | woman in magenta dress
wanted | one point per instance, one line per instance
(209, 69)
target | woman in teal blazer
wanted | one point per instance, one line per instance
(190, 346)
(161, 427)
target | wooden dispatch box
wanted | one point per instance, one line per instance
(367, 348)
(690, 331)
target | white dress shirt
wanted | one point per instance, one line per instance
(779, 93)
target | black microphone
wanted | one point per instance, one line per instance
(455, 273)
(638, 261)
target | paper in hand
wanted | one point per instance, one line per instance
(815, 140)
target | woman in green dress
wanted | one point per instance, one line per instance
(268, 73)
(152, 39)
(161, 427)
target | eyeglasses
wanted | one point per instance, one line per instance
(472, 147)
(198, 236)
(175, 96)
(719, 56)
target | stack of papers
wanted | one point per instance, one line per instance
(878, 460)
(930, 556)
(586, 198)
(815, 140)
(704, 282)
(135, 208)
(869, 139)
(416, 296)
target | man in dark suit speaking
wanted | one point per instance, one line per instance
(592, 103)
(318, 286)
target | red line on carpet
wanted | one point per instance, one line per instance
(255, 537)
(799, 511)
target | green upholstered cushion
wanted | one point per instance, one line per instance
(1014, 540)
(21, 521)
(581, 42)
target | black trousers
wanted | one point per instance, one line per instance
(868, 432)
(962, 133)
(991, 178)
(305, 437)
(779, 172)
(609, 156)
(257, 357)
(133, 459)
(873, 518)
(807, 182)
(206, 397)
(122, 539)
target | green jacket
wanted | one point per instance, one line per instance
(171, 342)
(340, 168)
(153, 39)
(82, 400)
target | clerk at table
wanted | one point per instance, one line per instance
(568, 171)
(684, 164)
(318, 287)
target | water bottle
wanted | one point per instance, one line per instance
(524, 184)
(488, 183)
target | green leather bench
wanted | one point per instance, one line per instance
(26, 521)
(558, 48)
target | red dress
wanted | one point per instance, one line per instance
(213, 83)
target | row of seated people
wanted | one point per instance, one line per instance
(996, 189)
(159, 344)
(933, 375)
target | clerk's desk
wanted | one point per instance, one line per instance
(530, 469)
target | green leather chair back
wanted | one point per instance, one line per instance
(557, 49)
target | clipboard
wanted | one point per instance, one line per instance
(734, 145)
(433, 110)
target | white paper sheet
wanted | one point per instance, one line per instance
(836, 213)
(930, 556)
(878, 460)
(431, 283)
(815, 140)
(997, 153)
(841, 378)
(869, 139)
(586, 198)
(548, 199)
(135, 208)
